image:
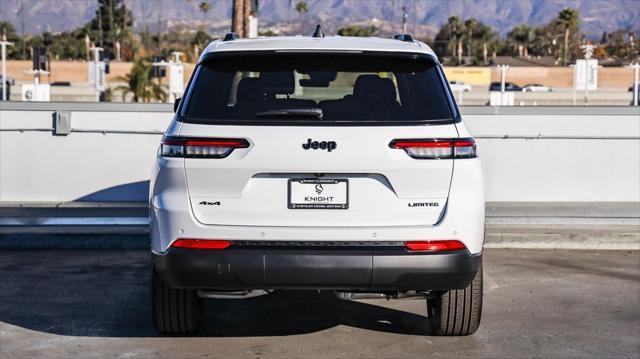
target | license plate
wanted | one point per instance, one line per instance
(318, 193)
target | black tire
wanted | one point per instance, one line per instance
(174, 311)
(457, 312)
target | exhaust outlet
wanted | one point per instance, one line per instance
(387, 296)
(231, 295)
(356, 295)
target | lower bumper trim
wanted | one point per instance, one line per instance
(357, 269)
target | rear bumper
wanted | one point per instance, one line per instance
(372, 269)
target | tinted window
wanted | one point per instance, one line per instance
(343, 88)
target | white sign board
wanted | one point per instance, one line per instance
(39, 92)
(586, 71)
(176, 79)
(497, 98)
(101, 76)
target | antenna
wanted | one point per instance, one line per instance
(230, 36)
(318, 32)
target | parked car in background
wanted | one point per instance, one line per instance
(457, 86)
(10, 80)
(536, 88)
(508, 86)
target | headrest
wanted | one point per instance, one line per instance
(277, 82)
(249, 90)
(374, 87)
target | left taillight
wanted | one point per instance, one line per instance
(200, 147)
(437, 148)
(192, 243)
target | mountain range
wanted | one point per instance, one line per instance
(424, 16)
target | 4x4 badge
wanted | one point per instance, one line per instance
(207, 203)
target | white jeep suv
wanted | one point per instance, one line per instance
(319, 163)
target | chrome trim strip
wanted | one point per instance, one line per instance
(74, 221)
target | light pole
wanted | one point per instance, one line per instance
(503, 76)
(573, 90)
(404, 19)
(588, 53)
(4, 43)
(96, 70)
(177, 55)
(176, 75)
(636, 83)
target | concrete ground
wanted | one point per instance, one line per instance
(538, 303)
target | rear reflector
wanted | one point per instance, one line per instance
(201, 243)
(437, 148)
(200, 147)
(434, 246)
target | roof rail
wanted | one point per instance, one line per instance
(318, 32)
(403, 37)
(230, 36)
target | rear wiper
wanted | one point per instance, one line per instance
(313, 113)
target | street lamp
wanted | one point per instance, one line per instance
(588, 53)
(636, 83)
(4, 43)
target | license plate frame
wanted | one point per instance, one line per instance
(318, 181)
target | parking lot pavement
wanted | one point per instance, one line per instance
(538, 303)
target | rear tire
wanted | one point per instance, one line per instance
(457, 312)
(174, 311)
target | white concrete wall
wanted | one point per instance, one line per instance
(529, 154)
(570, 157)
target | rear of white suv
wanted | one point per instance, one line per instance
(335, 164)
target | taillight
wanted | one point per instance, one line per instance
(434, 246)
(191, 243)
(437, 148)
(200, 147)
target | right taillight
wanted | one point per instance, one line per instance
(200, 147)
(437, 148)
(434, 245)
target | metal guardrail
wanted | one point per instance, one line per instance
(465, 110)
(86, 106)
(58, 107)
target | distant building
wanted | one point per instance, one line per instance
(542, 61)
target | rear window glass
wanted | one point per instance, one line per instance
(318, 88)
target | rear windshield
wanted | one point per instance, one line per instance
(316, 88)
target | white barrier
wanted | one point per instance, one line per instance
(530, 154)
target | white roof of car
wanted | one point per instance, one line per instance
(319, 44)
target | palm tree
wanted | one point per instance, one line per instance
(237, 17)
(470, 25)
(302, 8)
(488, 38)
(568, 19)
(354, 30)
(521, 36)
(204, 8)
(141, 84)
(456, 29)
